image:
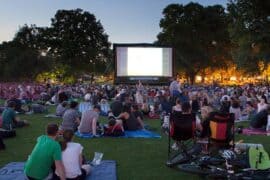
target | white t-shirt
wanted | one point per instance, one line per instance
(71, 160)
(236, 112)
(262, 107)
(177, 108)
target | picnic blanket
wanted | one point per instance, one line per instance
(249, 131)
(128, 134)
(52, 116)
(141, 134)
(105, 171)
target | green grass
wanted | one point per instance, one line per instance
(136, 158)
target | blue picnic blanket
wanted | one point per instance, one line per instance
(105, 171)
(128, 134)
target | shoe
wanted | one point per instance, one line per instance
(175, 147)
(29, 113)
(26, 123)
(96, 136)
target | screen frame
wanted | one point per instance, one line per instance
(146, 45)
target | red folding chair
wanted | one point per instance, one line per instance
(181, 130)
(221, 130)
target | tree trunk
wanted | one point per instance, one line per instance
(192, 79)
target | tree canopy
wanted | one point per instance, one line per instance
(75, 41)
(78, 39)
(198, 34)
(250, 33)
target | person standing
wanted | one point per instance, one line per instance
(175, 88)
(46, 152)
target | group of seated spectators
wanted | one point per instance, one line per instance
(129, 118)
(125, 107)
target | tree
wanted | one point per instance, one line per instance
(75, 43)
(28, 36)
(77, 40)
(198, 34)
(250, 33)
(20, 62)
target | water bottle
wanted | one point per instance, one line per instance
(97, 158)
(198, 120)
(268, 125)
(166, 121)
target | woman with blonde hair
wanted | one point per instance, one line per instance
(177, 107)
(203, 126)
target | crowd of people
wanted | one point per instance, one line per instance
(125, 107)
(126, 102)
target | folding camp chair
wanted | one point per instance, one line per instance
(221, 130)
(182, 130)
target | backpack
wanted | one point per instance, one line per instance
(258, 158)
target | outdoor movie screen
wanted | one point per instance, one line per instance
(144, 61)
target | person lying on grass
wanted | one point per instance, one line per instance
(45, 155)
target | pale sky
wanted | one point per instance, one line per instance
(125, 21)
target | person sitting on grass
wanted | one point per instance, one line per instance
(61, 108)
(262, 104)
(83, 106)
(116, 106)
(114, 127)
(18, 104)
(235, 109)
(259, 120)
(105, 107)
(145, 108)
(129, 121)
(46, 153)
(249, 111)
(138, 115)
(9, 118)
(72, 158)
(71, 117)
(89, 121)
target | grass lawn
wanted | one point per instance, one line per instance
(136, 158)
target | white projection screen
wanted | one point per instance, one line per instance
(144, 61)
